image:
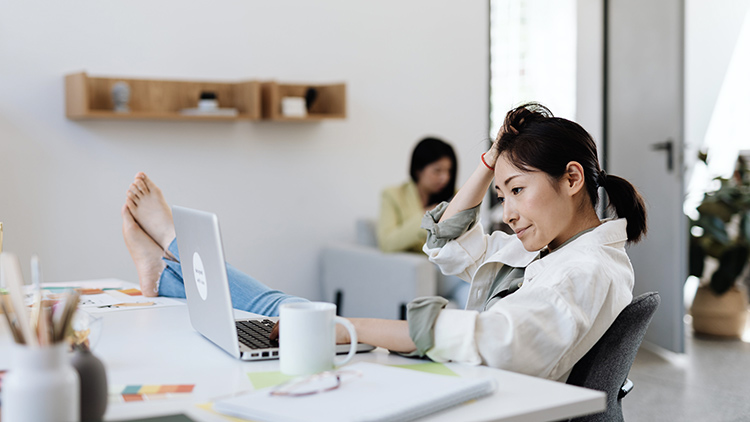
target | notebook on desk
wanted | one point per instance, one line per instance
(209, 302)
(379, 393)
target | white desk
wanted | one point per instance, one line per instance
(159, 346)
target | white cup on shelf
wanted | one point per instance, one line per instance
(307, 338)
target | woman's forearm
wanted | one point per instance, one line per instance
(387, 333)
(471, 193)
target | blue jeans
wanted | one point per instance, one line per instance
(248, 294)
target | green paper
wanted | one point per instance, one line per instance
(272, 378)
(429, 367)
(267, 379)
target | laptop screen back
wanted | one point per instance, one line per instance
(205, 276)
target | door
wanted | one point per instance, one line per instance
(644, 138)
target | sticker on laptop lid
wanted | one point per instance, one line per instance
(200, 276)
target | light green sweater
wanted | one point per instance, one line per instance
(401, 212)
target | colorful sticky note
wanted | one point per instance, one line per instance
(185, 388)
(127, 393)
(149, 389)
(169, 388)
(90, 291)
(131, 292)
(131, 389)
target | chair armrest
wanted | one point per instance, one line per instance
(374, 284)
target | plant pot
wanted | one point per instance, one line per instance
(723, 316)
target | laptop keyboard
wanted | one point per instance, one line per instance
(254, 333)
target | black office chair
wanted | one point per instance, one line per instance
(606, 366)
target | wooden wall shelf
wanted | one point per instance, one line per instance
(330, 102)
(90, 98)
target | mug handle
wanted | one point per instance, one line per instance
(352, 335)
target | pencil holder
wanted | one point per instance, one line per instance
(41, 385)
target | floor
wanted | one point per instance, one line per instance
(710, 382)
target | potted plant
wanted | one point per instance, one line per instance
(720, 246)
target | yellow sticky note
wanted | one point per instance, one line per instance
(149, 389)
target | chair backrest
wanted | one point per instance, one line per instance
(365, 232)
(605, 367)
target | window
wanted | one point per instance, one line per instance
(532, 56)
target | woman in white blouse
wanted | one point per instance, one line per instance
(542, 297)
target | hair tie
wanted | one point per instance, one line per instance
(601, 180)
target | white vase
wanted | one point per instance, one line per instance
(41, 385)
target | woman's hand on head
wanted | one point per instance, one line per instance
(490, 157)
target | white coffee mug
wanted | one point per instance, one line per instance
(307, 338)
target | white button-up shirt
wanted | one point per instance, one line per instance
(567, 301)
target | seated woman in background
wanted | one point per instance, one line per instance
(540, 298)
(432, 174)
(433, 180)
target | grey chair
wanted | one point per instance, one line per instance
(365, 282)
(606, 366)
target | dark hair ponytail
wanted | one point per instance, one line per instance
(533, 139)
(627, 203)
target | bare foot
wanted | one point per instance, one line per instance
(150, 210)
(145, 253)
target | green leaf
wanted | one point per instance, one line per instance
(731, 264)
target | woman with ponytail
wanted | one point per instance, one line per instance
(542, 297)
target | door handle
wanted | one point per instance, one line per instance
(667, 146)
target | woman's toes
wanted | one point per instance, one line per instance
(141, 186)
(133, 196)
(150, 210)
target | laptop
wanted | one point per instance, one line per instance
(207, 290)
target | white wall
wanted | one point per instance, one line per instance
(281, 190)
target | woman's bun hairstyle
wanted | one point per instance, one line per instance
(534, 140)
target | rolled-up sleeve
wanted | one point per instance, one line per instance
(532, 331)
(421, 314)
(526, 333)
(441, 232)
